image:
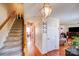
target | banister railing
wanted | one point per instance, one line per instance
(11, 15)
(24, 41)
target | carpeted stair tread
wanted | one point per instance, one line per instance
(16, 31)
(13, 34)
(14, 38)
(10, 49)
(13, 44)
(9, 44)
(11, 52)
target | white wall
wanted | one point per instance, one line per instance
(50, 41)
(3, 14)
(64, 28)
(73, 25)
(38, 35)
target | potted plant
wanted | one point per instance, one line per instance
(75, 41)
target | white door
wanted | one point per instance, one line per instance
(52, 34)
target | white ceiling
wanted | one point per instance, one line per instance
(32, 10)
(68, 13)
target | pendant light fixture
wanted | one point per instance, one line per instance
(46, 10)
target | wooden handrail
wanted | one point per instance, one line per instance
(4, 22)
(24, 41)
(2, 25)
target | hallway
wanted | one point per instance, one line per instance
(37, 29)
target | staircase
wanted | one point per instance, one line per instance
(13, 44)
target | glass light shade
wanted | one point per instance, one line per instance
(46, 10)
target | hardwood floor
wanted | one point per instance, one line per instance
(34, 51)
(53, 53)
(60, 51)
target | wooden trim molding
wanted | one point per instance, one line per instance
(25, 49)
(4, 22)
(24, 41)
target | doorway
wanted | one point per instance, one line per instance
(31, 31)
(30, 34)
